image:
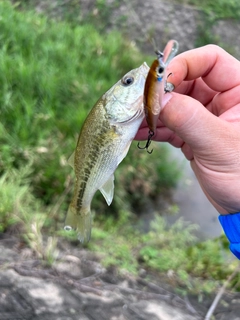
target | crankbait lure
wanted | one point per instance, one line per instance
(155, 87)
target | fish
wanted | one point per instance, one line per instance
(155, 87)
(103, 143)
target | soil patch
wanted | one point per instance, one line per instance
(77, 286)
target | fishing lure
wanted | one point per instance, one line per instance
(155, 87)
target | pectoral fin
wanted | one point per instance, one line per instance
(71, 160)
(107, 190)
(125, 151)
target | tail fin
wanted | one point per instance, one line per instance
(82, 222)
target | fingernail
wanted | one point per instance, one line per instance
(166, 98)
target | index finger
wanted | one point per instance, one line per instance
(218, 69)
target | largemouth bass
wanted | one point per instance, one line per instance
(103, 143)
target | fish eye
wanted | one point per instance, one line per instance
(127, 80)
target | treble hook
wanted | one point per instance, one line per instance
(149, 140)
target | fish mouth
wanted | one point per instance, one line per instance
(145, 68)
(143, 79)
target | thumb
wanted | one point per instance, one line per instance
(192, 122)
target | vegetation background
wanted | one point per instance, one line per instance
(55, 62)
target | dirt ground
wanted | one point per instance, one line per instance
(78, 287)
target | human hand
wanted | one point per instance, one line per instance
(202, 117)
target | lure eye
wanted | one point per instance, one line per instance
(127, 80)
(160, 70)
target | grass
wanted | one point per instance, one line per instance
(99, 12)
(220, 9)
(19, 208)
(213, 11)
(14, 196)
(194, 267)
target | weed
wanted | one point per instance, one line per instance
(192, 267)
(19, 206)
(14, 195)
(45, 250)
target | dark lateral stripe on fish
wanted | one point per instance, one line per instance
(80, 195)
